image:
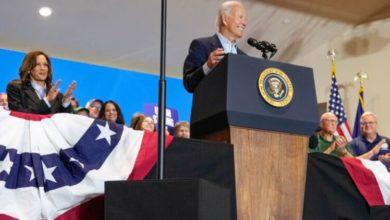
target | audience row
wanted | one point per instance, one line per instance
(34, 92)
(369, 145)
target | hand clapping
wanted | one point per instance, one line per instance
(375, 150)
(341, 142)
(69, 92)
(53, 91)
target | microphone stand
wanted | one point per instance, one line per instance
(262, 46)
(162, 93)
(264, 54)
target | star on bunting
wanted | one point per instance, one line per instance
(48, 172)
(105, 133)
(6, 164)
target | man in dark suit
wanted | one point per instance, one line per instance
(205, 53)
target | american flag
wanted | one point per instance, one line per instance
(336, 106)
(52, 166)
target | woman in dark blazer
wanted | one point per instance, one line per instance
(34, 92)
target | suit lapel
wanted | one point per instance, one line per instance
(31, 94)
(215, 43)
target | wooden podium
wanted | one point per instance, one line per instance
(270, 143)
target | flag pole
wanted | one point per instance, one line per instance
(162, 93)
(335, 104)
(332, 56)
(361, 77)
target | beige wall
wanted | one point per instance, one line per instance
(362, 48)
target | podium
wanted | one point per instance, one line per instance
(270, 143)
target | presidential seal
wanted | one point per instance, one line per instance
(275, 87)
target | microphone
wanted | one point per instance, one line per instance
(253, 42)
(272, 49)
(256, 44)
(263, 46)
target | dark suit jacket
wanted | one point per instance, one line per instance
(198, 54)
(23, 98)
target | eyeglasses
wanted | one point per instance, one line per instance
(97, 107)
(364, 123)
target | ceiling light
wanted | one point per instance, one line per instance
(45, 11)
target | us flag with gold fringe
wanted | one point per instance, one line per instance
(336, 106)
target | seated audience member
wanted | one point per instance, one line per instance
(34, 92)
(82, 111)
(4, 100)
(370, 145)
(94, 106)
(111, 112)
(329, 143)
(182, 129)
(144, 123)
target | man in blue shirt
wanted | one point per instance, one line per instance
(370, 145)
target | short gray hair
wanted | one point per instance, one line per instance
(367, 113)
(326, 114)
(225, 9)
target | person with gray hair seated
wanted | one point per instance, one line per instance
(328, 142)
(205, 53)
(370, 145)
